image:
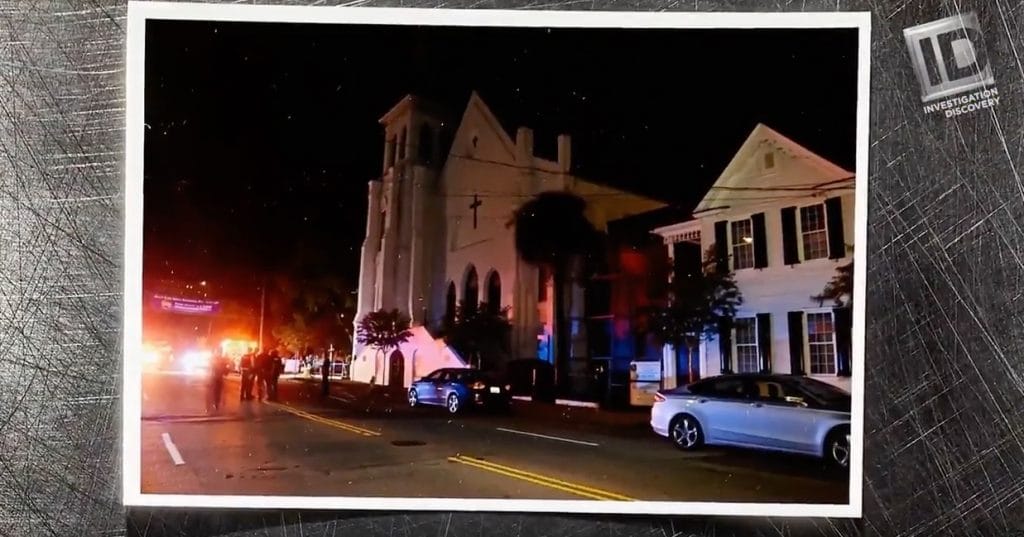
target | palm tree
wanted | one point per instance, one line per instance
(697, 305)
(552, 232)
(384, 330)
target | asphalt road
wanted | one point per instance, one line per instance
(347, 446)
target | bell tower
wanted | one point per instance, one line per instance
(402, 227)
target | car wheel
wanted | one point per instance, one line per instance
(414, 399)
(453, 404)
(686, 433)
(837, 448)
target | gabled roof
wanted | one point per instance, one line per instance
(477, 103)
(822, 171)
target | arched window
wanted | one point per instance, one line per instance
(472, 289)
(494, 292)
(426, 143)
(449, 305)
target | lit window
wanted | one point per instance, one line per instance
(747, 360)
(821, 343)
(742, 244)
(814, 237)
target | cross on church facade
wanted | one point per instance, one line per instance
(475, 205)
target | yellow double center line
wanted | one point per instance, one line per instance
(550, 482)
(332, 423)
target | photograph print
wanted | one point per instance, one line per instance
(508, 261)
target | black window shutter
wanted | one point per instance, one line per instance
(796, 342)
(760, 241)
(790, 253)
(725, 345)
(764, 341)
(722, 246)
(834, 221)
(844, 342)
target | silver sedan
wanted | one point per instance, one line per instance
(784, 413)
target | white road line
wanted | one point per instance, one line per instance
(571, 441)
(173, 450)
(343, 399)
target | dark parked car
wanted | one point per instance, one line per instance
(457, 389)
(531, 377)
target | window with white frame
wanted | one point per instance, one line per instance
(821, 343)
(747, 360)
(742, 232)
(813, 234)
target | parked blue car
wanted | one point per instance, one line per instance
(457, 389)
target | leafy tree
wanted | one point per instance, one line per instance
(311, 312)
(383, 330)
(697, 304)
(553, 232)
(480, 333)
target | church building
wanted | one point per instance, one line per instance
(438, 233)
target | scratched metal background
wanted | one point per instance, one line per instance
(944, 400)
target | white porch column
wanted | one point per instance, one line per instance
(668, 367)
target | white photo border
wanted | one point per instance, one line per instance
(141, 11)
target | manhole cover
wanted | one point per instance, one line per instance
(407, 443)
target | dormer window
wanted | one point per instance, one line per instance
(769, 161)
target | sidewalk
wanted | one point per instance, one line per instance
(638, 418)
(390, 400)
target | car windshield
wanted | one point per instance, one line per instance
(824, 392)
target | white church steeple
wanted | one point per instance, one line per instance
(394, 272)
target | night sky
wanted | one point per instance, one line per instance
(261, 138)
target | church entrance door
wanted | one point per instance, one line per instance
(396, 369)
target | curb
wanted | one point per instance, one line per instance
(561, 402)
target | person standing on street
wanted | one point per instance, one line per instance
(245, 367)
(218, 369)
(262, 368)
(275, 367)
(325, 387)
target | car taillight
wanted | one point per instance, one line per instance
(658, 398)
(479, 385)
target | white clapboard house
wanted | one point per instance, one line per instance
(783, 217)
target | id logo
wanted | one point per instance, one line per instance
(952, 66)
